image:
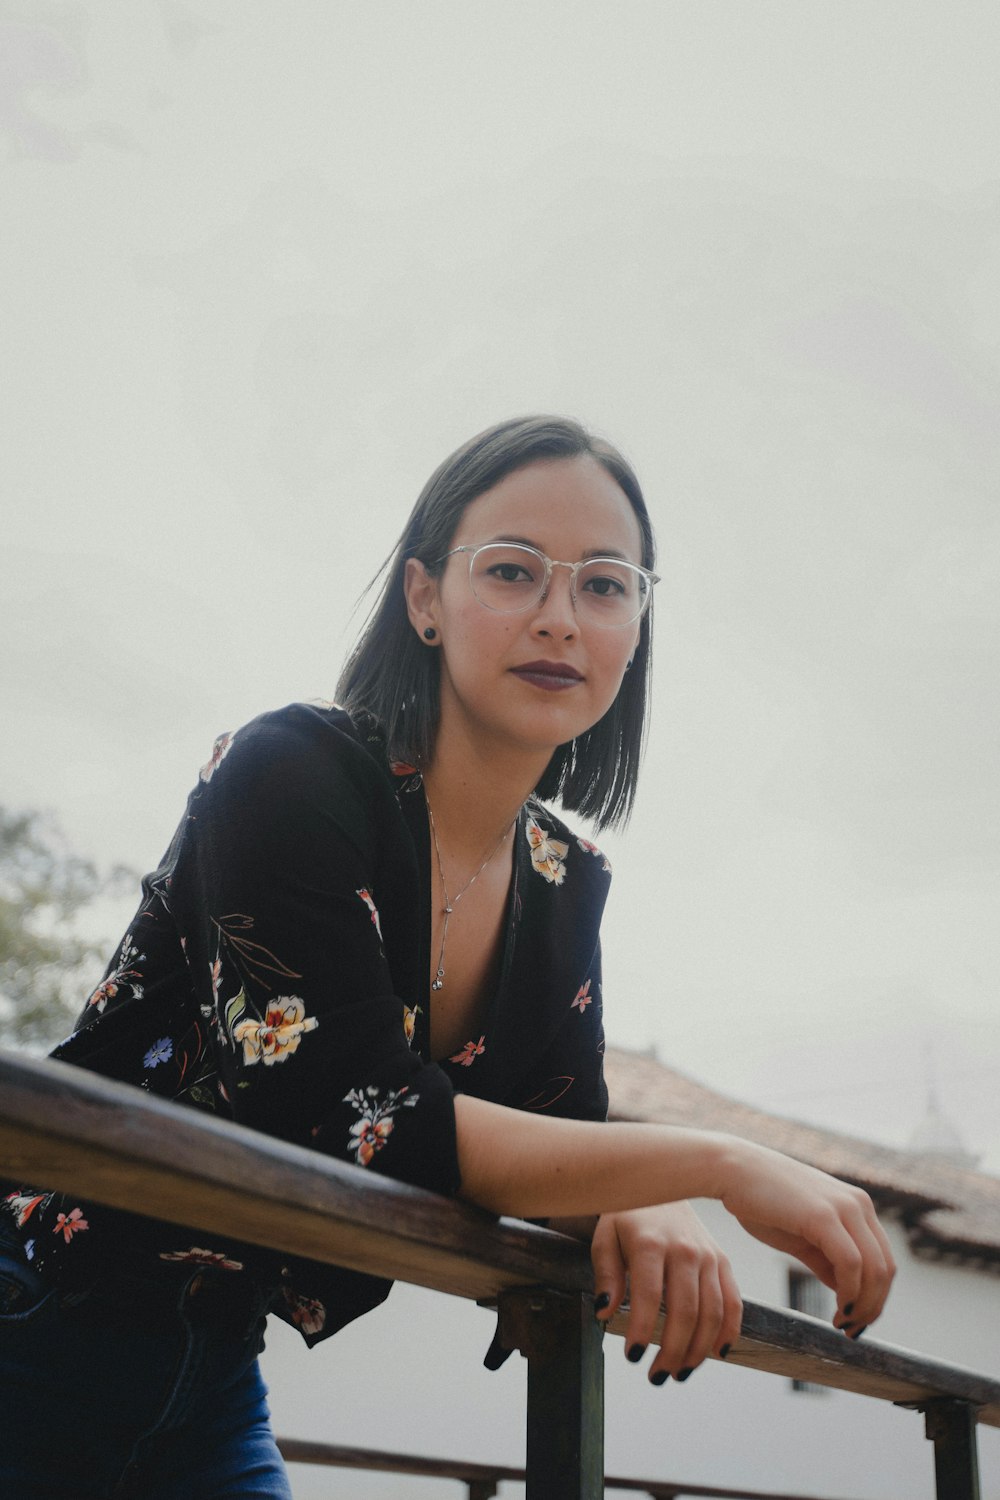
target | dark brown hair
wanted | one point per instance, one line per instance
(392, 678)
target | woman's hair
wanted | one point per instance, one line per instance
(394, 679)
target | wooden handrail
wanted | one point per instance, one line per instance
(72, 1130)
(64, 1128)
(467, 1471)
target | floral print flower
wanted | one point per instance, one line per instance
(366, 898)
(583, 998)
(547, 854)
(371, 1133)
(70, 1224)
(197, 1256)
(410, 1014)
(589, 848)
(278, 1035)
(160, 1052)
(23, 1205)
(125, 973)
(305, 1312)
(220, 750)
(469, 1053)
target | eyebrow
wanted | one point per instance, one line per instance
(524, 541)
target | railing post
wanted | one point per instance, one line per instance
(562, 1341)
(481, 1489)
(951, 1427)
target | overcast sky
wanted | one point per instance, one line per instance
(263, 266)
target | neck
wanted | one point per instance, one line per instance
(475, 794)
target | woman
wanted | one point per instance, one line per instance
(368, 936)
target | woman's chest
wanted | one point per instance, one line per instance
(466, 959)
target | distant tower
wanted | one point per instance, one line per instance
(937, 1139)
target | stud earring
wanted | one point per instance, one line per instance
(430, 634)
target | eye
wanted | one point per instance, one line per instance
(510, 572)
(605, 585)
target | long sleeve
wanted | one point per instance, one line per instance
(275, 888)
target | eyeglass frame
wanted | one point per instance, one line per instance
(550, 563)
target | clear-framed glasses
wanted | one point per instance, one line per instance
(510, 576)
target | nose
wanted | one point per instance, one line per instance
(555, 613)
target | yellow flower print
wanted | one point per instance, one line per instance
(547, 855)
(278, 1035)
(410, 1014)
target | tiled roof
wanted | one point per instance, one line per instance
(949, 1211)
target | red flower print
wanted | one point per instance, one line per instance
(70, 1224)
(469, 1053)
(590, 848)
(369, 1136)
(305, 1312)
(583, 998)
(372, 1131)
(24, 1205)
(367, 899)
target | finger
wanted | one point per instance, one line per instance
(732, 1309)
(878, 1268)
(609, 1271)
(861, 1275)
(683, 1298)
(706, 1333)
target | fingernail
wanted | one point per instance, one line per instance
(683, 1374)
(660, 1377)
(634, 1352)
(603, 1301)
(859, 1332)
(724, 1351)
(848, 1309)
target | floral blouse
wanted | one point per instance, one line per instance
(276, 974)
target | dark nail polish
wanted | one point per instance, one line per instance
(683, 1374)
(603, 1301)
(859, 1332)
(634, 1353)
(724, 1351)
(660, 1377)
(848, 1309)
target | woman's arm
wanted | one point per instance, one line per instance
(520, 1164)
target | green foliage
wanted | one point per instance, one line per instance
(46, 966)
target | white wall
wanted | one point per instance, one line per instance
(410, 1377)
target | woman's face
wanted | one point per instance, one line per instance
(501, 681)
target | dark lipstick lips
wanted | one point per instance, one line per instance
(551, 674)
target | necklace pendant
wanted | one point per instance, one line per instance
(438, 983)
(447, 910)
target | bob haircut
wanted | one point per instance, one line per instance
(391, 677)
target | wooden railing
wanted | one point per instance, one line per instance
(483, 1480)
(71, 1130)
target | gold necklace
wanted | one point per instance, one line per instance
(450, 902)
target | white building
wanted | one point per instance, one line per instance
(409, 1376)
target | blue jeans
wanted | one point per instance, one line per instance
(134, 1392)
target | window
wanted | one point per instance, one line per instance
(807, 1295)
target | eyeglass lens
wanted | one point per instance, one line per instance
(510, 578)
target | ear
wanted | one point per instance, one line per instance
(421, 591)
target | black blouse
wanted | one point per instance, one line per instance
(277, 974)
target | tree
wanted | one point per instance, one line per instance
(44, 887)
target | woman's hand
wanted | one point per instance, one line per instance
(828, 1225)
(665, 1254)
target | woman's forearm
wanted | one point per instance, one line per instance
(530, 1165)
